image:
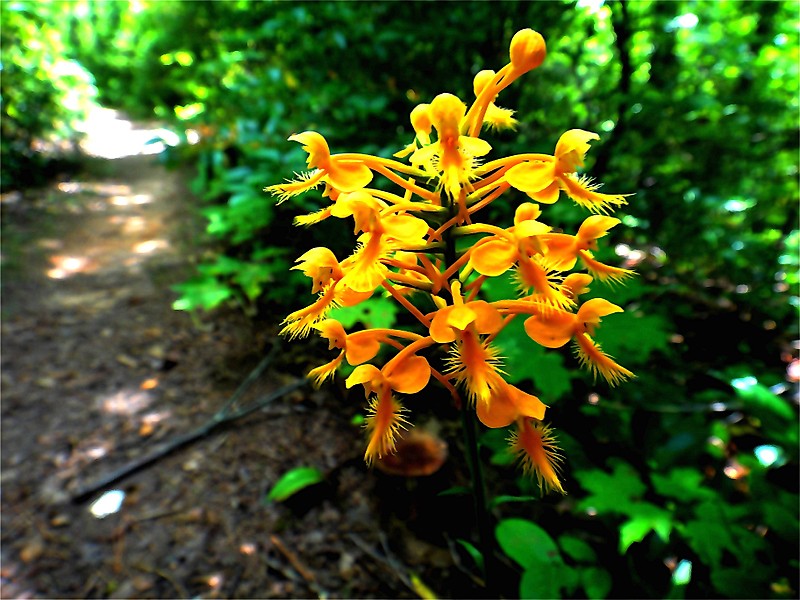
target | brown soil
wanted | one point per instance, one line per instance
(97, 370)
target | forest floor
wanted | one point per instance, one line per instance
(98, 369)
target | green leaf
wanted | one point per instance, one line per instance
(458, 490)
(376, 312)
(683, 484)
(474, 553)
(632, 336)
(708, 539)
(596, 582)
(498, 500)
(611, 492)
(645, 518)
(293, 481)
(577, 549)
(760, 397)
(542, 582)
(205, 292)
(527, 543)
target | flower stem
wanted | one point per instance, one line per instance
(482, 516)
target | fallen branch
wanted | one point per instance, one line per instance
(223, 416)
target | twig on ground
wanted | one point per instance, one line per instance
(223, 416)
(298, 566)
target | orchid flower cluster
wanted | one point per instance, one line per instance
(407, 247)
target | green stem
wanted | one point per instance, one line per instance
(482, 516)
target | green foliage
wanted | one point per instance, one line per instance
(44, 93)
(377, 312)
(294, 481)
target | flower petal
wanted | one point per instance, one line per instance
(460, 317)
(440, 331)
(487, 319)
(572, 146)
(531, 176)
(473, 146)
(548, 195)
(347, 176)
(499, 411)
(361, 347)
(410, 375)
(493, 258)
(552, 331)
(367, 375)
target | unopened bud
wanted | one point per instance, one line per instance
(420, 119)
(527, 50)
(482, 79)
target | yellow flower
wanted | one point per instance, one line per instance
(495, 256)
(385, 419)
(554, 328)
(536, 447)
(344, 175)
(542, 180)
(453, 156)
(320, 265)
(383, 234)
(473, 362)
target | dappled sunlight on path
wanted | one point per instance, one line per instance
(109, 135)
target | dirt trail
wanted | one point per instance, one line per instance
(97, 368)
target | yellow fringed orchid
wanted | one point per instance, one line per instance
(412, 243)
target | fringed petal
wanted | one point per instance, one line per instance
(536, 447)
(602, 271)
(324, 372)
(582, 191)
(385, 419)
(303, 183)
(592, 357)
(312, 218)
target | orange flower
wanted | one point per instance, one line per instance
(321, 266)
(501, 252)
(453, 157)
(386, 415)
(563, 251)
(421, 122)
(345, 175)
(495, 117)
(554, 328)
(473, 362)
(365, 269)
(542, 180)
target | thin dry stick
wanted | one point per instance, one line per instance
(223, 416)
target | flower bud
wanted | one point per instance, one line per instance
(527, 50)
(482, 79)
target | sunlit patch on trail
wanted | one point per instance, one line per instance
(67, 266)
(110, 136)
(126, 402)
(150, 246)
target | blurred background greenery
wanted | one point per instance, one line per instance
(683, 482)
